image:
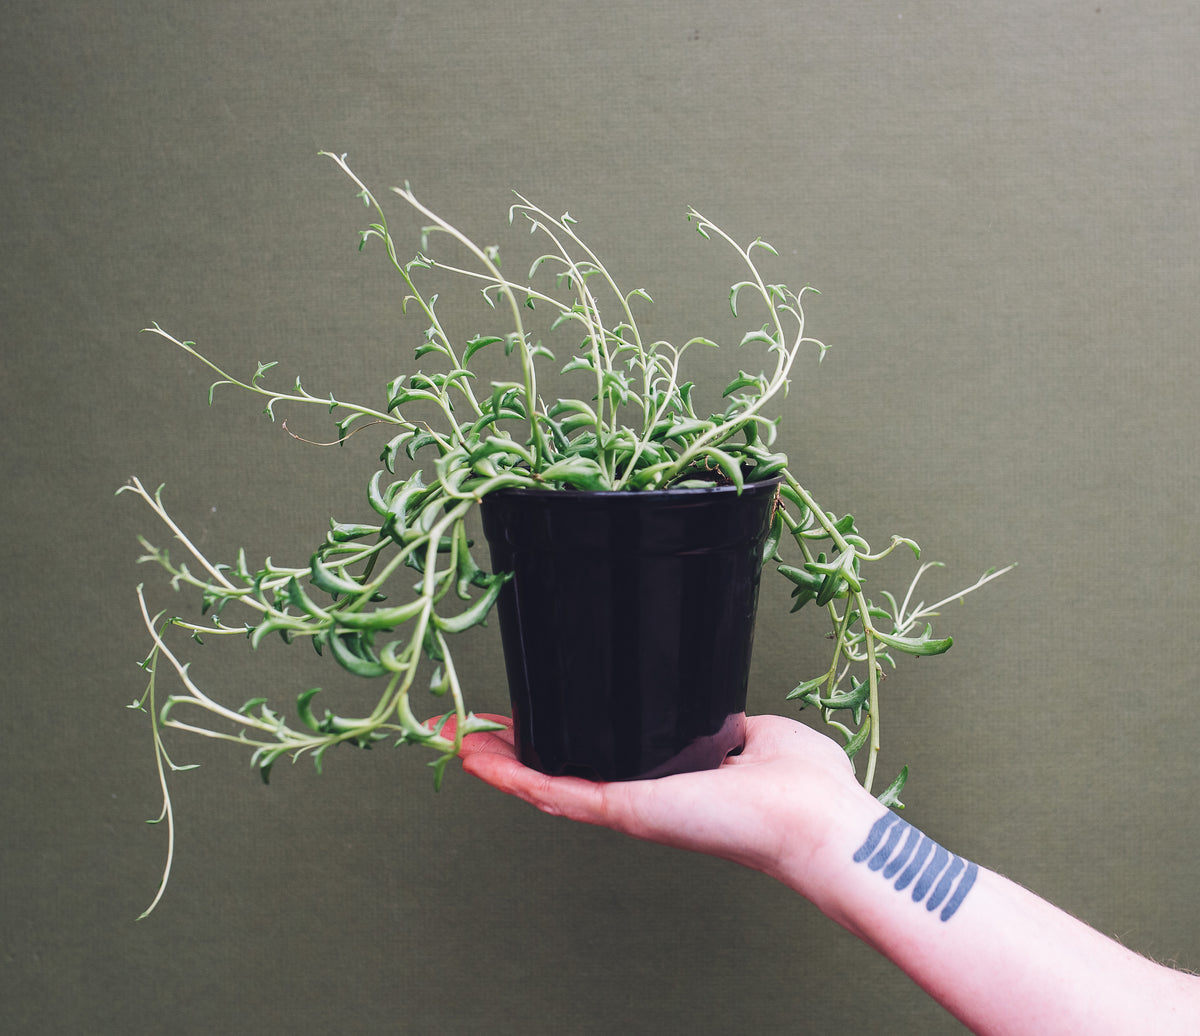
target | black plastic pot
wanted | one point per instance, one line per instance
(628, 624)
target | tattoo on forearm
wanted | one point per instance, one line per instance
(902, 852)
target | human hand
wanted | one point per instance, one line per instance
(789, 806)
(770, 808)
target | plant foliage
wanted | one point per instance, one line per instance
(633, 424)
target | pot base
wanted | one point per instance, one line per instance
(705, 753)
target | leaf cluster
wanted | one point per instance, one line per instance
(381, 597)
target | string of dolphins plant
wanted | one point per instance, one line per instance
(634, 426)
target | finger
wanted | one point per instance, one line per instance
(571, 797)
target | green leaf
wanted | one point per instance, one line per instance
(351, 652)
(419, 441)
(478, 612)
(506, 400)
(759, 336)
(802, 596)
(680, 428)
(800, 576)
(734, 292)
(439, 769)
(429, 347)
(767, 465)
(774, 536)
(744, 380)
(728, 465)
(492, 446)
(469, 573)
(573, 406)
(301, 600)
(342, 532)
(281, 624)
(264, 759)
(475, 725)
(580, 472)
(408, 493)
(845, 524)
(377, 496)
(859, 739)
(615, 382)
(391, 451)
(835, 575)
(853, 700)
(381, 618)
(304, 709)
(324, 578)
(431, 645)
(922, 645)
(263, 368)
(802, 691)
(890, 796)
(477, 343)
(343, 427)
(398, 395)
(579, 363)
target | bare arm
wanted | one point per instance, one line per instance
(995, 955)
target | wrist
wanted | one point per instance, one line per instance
(819, 849)
(876, 875)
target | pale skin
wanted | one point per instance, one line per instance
(1006, 961)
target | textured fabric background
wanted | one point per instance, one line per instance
(999, 204)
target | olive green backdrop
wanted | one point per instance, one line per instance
(999, 204)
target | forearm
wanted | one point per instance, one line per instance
(995, 955)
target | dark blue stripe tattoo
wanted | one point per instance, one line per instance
(893, 846)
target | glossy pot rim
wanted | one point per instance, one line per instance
(672, 492)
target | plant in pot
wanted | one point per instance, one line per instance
(627, 526)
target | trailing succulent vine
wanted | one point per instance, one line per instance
(634, 425)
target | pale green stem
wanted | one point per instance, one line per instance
(873, 710)
(537, 433)
(168, 812)
(273, 396)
